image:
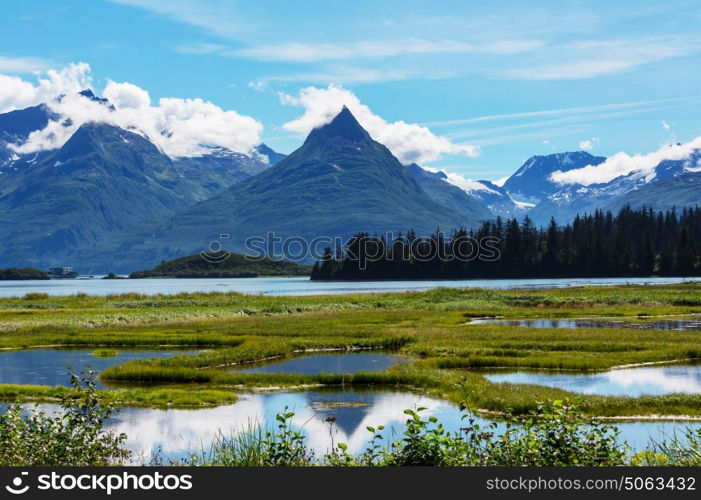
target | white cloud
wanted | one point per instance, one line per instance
(22, 64)
(127, 96)
(409, 142)
(666, 125)
(350, 75)
(463, 182)
(588, 144)
(220, 17)
(299, 52)
(258, 85)
(587, 59)
(622, 163)
(580, 110)
(16, 93)
(180, 127)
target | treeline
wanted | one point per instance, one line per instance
(632, 243)
(222, 265)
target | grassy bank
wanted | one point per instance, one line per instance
(433, 327)
(171, 396)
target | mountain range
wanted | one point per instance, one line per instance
(339, 182)
(531, 182)
(670, 184)
(110, 200)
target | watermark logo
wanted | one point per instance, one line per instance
(216, 253)
(16, 488)
(362, 249)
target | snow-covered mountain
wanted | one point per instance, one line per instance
(499, 201)
(672, 183)
(100, 180)
(531, 182)
(481, 199)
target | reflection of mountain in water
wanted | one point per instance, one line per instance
(349, 409)
(178, 432)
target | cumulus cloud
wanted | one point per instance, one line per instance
(588, 144)
(463, 182)
(16, 93)
(409, 142)
(642, 165)
(180, 127)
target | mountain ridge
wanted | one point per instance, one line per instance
(338, 182)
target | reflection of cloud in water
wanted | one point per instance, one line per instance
(626, 382)
(177, 432)
(686, 379)
(385, 410)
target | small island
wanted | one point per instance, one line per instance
(223, 265)
(24, 273)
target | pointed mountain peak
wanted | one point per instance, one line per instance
(343, 126)
(89, 94)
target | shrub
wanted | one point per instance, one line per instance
(73, 436)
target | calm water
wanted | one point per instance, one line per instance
(289, 286)
(685, 324)
(330, 363)
(633, 382)
(51, 366)
(175, 433)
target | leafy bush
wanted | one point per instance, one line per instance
(556, 434)
(73, 436)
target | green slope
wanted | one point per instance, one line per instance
(338, 183)
(103, 179)
(682, 191)
(448, 195)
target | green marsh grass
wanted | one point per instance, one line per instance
(432, 327)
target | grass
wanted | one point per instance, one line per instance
(105, 353)
(171, 396)
(431, 326)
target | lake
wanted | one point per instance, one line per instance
(633, 382)
(675, 324)
(315, 364)
(292, 286)
(51, 366)
(175, 433)
(325, 416)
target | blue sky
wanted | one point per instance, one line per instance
(513, 79)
